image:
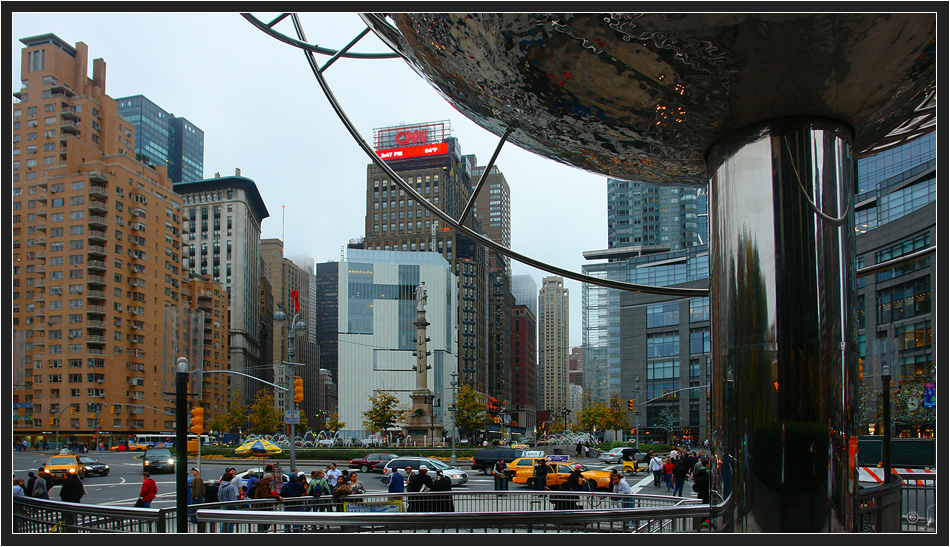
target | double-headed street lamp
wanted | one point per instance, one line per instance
(295, 386)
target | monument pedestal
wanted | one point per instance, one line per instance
(422, 428)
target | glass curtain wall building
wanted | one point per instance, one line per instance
(653, 233)
(164, 139)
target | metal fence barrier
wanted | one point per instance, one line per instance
(499, 511)
(918, 502)
(879, 507)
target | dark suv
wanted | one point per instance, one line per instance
(486, 458)
(158, 459)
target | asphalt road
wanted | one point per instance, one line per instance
(122, 485)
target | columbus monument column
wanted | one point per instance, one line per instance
(422, 428)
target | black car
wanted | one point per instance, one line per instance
(158, 459)
(486, 458)
(93, 467)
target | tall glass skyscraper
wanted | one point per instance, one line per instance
(656, 235)
(163, 138)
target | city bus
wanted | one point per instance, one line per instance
(166, 440)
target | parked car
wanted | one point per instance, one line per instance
(398, 465)
(62, 464)
(486, 458)
(158, 459)
(558, 473)
(618, 455)
(93, 467)
(369, 462)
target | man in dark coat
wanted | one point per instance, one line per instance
(442, 503)
(701, 478)
(541, 474)
(416, 483)
(72, 489)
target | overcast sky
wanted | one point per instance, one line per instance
(262, 111)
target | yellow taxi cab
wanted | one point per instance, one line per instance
(61, 465)
(131, 445)
(558, 471)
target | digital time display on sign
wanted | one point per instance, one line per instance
(413, 151)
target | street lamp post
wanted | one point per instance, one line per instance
(295, 325)
(453, 409)
(181, 446)
(636, 414)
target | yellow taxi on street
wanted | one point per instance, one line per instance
(60, 465)
(131, 445)
(558, 470)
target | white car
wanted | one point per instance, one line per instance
(618, 455)
(398, 465)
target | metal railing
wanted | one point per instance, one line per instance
(879, 507)
(918, 502)
(498, 511)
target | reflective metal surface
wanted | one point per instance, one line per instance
(644, 96)
(785, 337)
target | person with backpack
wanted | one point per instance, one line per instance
(227, 492)
(656, 466)
(318, 487)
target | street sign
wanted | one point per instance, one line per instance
(292, 417)
(637, 413)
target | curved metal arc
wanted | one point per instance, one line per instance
(264, 27)
(424, 202)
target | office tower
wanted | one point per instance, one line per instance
(164, 139)
(493, 205)
(525, 290)
(575, 366)
(641, 214)
(646, 225)
(895, 222)
(203, 293)
(524, 366)
(221, 237)
(377, 336)
(96, 242)
(326, 314)
(426, 156)
(553, 341)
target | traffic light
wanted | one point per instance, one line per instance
(860, 369)
(52, 422)
(197, 420)
(630, 404)
(72, 410)
(298, 389)
(112, 409)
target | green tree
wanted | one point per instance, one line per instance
(592, 414)
(231, 419)
(334, 424)
(264, 417)
(615, 416)
(470, 414)
(384, 412)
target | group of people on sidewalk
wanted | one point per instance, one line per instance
(677, 468)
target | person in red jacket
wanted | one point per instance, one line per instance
(149, 489)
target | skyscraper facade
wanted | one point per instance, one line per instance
(221, 236)
(96, 239)
(652, 232)
(524, 367)
(427, 156)
(165, 139)
(553, 343)
(377, 333)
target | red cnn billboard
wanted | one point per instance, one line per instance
(409, 141)
(413, 151)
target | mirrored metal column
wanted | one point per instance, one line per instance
(784, 333)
